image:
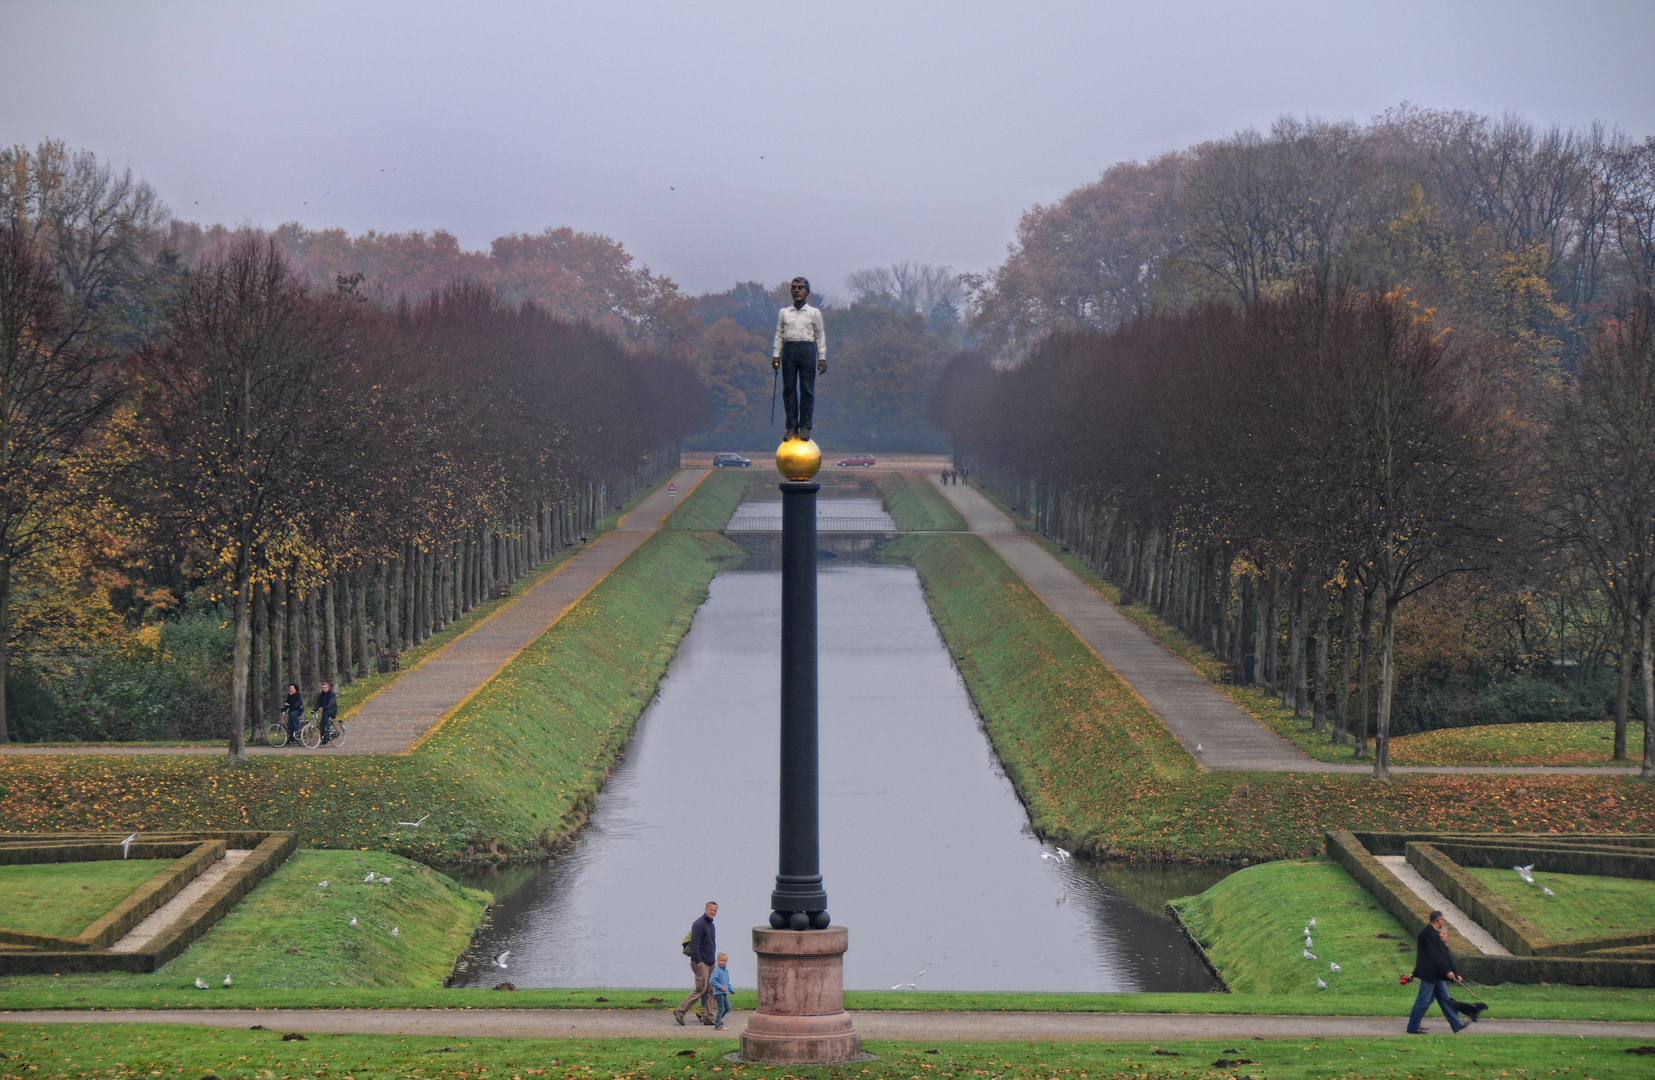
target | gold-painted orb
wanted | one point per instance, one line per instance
(798, 459)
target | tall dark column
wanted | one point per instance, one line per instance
(799, 902)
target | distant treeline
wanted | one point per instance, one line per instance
(326, 476)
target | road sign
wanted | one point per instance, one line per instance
(672, 489)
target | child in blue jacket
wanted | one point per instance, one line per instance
(722, 990)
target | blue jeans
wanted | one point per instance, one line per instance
(1433, 991)
(723, 1007)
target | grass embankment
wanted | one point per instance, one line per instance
(916, 505)
(1101, 774)
(291, 934)
(1585, 906)
(65, 898)
(1588, 743)
(1252, 923)
(512, 772)
(90, 1052)
(709, 507)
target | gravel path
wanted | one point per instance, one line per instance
(1216, 732)
(393, 720)
(901, 1026)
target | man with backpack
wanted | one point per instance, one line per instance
(702, 949)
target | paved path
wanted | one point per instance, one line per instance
(393, 720)
(1197, 713)
(903, 1026)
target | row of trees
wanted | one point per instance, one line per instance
(1277, 477)
(1510, 233)
(347, 477)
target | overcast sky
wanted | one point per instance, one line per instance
(728, 142)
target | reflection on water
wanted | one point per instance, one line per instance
(925, 849)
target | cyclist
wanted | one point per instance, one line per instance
(327, 705)
(294, 708)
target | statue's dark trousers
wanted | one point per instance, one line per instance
(799, 363)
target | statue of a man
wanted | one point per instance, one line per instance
(800, 352)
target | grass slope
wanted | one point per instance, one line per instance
(513, 771)
(1585, 906)
(1251, 925)
(93, 1052)
(709, 506)
(65, 898)
(916, 505)
(1100, 773)
(289, 934)
(1588, 743)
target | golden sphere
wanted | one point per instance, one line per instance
(798, 459)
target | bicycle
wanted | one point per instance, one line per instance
(310, 736)
(275, 732)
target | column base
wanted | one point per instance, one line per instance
(801, 1017)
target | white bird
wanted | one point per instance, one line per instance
(1334, 967)
(322, 884)
(353, 920)
(369, 878)
(1308, 943)
(200, 984)
(1546, 891)
(1523, 872)
(226, 980)
(1198, 748)
(126, 845)
(384, 881)
(1320, 985)
(413, 824)
(500, 961)
(1308, 955)
(1312, 922)
(1063, 855)
(396, 931)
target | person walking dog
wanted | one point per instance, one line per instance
(703, 951)
(1434, 968)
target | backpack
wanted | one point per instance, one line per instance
(687, 942)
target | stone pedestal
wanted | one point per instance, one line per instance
(801, 1017)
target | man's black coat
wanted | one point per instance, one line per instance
(1432, 960)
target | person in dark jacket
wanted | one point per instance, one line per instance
(703, 955)
(1434, 968)
(294, 708)
(327, 703)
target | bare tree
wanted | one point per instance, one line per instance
(919, 287)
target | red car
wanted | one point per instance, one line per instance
(858, 459)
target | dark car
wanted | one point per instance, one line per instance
(855, 459)
(730, 461)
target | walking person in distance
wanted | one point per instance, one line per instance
(703, 952)
(1434, 968)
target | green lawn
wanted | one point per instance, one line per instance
(512, 772)
(291, 934)
(1588, 743)
(709, 506)
(92, 1052)
(1585, 906)
(917, 505)
(65, 898)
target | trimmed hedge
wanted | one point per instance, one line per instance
(217, 902)
(32, 854)
(1595, 861)
(1408, 909)
(151, 895)
(1477, 900)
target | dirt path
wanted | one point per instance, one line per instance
(393, 720)
(903, 1026)
(1215, 731)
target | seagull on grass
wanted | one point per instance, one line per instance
(1523, 872)
(369, 879)
(322, 884)
(384, 881)
(1546, 892)
(200, 984)
(1308, 955)
(353, 920)
(1331, 966)
(1309, 944)
(1312, 922)
(126, 845)
(413, 824)
(396, 931)
(227, 980)
(1321, 985)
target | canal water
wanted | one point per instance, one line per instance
(926, 851)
